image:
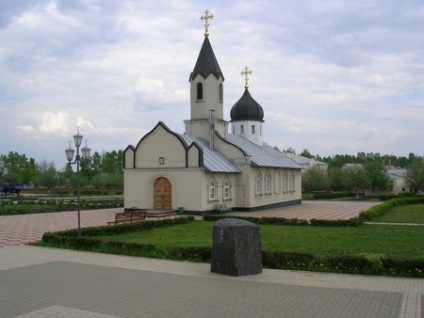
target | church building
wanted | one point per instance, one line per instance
(207, 165)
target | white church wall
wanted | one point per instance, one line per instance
(190, 188)
(160, 144)
(273, 193)
(129, 158)
(193, 157)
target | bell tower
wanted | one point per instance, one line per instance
(206, 91)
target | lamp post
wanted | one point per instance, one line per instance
(70, 157)
(2, 171)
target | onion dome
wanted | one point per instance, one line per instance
(247, 109)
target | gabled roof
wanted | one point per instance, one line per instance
(352, 166)
(213, 161)
(206, 62)
(304, 161)
(262, 156)
(395, 174)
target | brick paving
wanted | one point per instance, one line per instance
(45, 282)
(23, 229)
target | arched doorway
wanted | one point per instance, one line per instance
(162, 194)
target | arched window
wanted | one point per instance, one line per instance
(212, 190)
(226, 190)
(258, 183)
(199, 91)
(241, 129)
(286, 182)
(293, 182)
(221, 92)
(268, 180)
(277, 182)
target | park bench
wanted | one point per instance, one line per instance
(129, 217)
(221, 208)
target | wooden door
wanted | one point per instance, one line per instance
(162, 194)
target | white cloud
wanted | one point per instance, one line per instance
(53, 122)
(331, 77)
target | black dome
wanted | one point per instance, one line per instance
(247, 109)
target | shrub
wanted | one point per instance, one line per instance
(326, 195)
(384, 207)
(284, 260)
(354, 222)
(194, 254)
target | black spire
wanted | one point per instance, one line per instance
(206, 62)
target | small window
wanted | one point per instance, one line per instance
(199, 95)
(253, 129)
(260, 130)
(161, 161)
(226, 190)
(234, 130)
(242, 129)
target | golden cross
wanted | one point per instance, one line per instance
(206, 17)
(246, 72)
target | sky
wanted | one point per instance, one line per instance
(333, 77)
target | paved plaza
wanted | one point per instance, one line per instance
(45, 282)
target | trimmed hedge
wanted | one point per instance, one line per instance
(283, 221)
(365, 264)
(327, 195)
(368, 264)
(389, 196)
(384, 207)
(121, 228)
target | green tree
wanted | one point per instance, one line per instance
(314, 179)
(20, 169)
(414, 178)
(377, 175)
(336, 179)
(306, 153)
(47, 174)
(357, 179)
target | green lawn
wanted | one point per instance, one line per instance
(391, 241)
(404, 214)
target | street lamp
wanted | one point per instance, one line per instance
(70, 157)
(2, 171)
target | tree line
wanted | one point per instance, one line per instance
(104, 170)
(367, 172)
(101, 171)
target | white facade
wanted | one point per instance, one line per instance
(249, 129)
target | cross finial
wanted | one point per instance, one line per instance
(206, 17)
(246, 72)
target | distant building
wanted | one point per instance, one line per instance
(397, 178)
(352, 166)
(306, 162)
(206, 165)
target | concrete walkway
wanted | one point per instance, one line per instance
(44, 282)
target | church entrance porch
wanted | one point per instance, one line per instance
(162, 194)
